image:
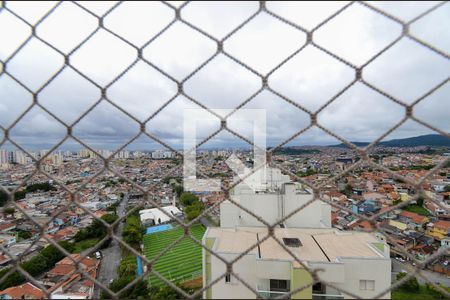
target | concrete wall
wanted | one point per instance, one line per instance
(270, 269)
(263, 205)
(272, 207)
(207, 273)
(315, 215)
(299, 278)
(229, 215)
(245, 268)
(333, 271)
(357, 269)
(345, 274)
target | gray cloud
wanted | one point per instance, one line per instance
(310, 78)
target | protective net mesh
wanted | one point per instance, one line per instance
(73, 195)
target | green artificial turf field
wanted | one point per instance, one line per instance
(182, 262)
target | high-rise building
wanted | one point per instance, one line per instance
(85, 153)
(42, 153)
(123, 154)
(356, 262)
(158, 154)
(4, 159)
(57, 159)
(19, 157)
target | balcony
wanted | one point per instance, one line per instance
(327, 296)
(273, 295)
(270, 294)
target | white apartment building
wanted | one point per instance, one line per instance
(356, 262)
(4, 157)
(274, 198)
(158, 154)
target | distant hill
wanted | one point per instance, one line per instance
(294, 151)
(423, 140)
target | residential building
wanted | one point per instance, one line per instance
(7, 240)
(354, 261)
(273, 200)
(23, 291)
(65, 282)
(413, 220)
(439, 230)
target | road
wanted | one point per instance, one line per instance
(111, 255)
(434, 277)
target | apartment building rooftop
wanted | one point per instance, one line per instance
(316, 245)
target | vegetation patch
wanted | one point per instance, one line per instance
(183, 262)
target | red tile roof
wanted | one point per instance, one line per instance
(444, 225)
(61, 270)
(24, 291)
(7, 226)
(416, 218)
(88, 262)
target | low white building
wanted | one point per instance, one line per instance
(154, 216)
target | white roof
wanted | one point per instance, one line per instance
(157, 215)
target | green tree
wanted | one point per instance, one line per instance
(178, 189)
(420, 201)
(410, 285)
(164, 292)
(132, 232)
(110, 218)
(3, 197)
(132, 235)
(9, 210)
(139, 290)
(437, 293)
(24, 234)
(97, 229)
(128, 266)
(191, 215)
(447, 188)
(37, 265)
(348, 190)
(187, 199)
(308, 172)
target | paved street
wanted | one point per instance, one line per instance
(398, 267)
(111, 255)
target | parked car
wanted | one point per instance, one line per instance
(98, 255)
(400, 259)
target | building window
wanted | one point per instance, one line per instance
(228, 278)
(367, 285)
(318, 288)
(277, 285)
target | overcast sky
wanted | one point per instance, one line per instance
(310, 78)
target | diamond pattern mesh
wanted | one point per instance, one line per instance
(66, 58)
